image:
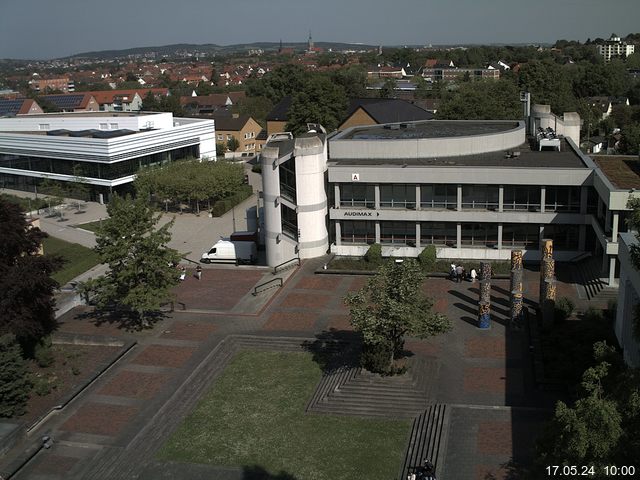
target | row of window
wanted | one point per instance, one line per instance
(483, 197)
(106, 171)
(472, 234)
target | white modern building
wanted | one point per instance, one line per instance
(106, 148)
(474, 189)
(628, 302)
(614, 47)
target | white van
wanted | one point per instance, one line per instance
(225, 251)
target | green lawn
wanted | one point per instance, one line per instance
(91, 226)
(254, 416)
(78, 259)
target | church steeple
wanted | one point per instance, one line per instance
(310, 43)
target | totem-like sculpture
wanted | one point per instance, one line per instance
(484, 310)
(517, 275)
(547, 283)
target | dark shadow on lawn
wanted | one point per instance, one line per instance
(122, 319)
(255, 472)
(334, 349)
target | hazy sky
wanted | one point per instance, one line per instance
(49, 29)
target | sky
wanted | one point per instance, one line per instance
(43, 29)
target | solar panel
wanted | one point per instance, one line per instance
(10, 107)
(65, 101)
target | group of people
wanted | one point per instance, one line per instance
(458, 273)
(183, 272)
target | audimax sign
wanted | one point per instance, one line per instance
(359, 213)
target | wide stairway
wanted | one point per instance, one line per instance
(588, 276)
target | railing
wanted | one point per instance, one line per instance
(297, 260)
(277, 282)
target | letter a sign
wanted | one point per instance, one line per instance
(355, 177)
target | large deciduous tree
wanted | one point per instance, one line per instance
(26, 286)
(484, 99)
(141, 271)
(14, 379)
(321, 101)
(390, 306)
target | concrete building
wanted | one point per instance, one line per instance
(614, 47)
(241, 127)
(474, 189)
(107, 148)
(628, 302)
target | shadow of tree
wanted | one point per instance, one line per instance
(122, 319)
(334, 349)
(256, 472)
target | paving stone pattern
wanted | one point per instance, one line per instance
(471, 393)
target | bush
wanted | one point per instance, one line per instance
(43, 354)
(14, 380)
(257, 168)
(374, 255)
(375, 357)
(427, 258)
(223, 206)
(563, 309)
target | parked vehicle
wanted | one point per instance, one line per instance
(225, 251)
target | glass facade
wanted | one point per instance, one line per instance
(479, 235)
(104, 171)
(521, 197)
(287, 171)
(565, 237)
(357, 195)
(362, 233)
(522, 235)
(439, 196)
(481, 197)
(562, 199)
(289, 222)
(441, 234)
(403, 233)
(398, 196)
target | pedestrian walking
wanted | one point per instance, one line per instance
(198, 272)
(183, 273)
(473, 274)
(459, 273)
(452, 272)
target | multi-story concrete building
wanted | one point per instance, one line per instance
(474, 189)
(106, 148)
(614, 47)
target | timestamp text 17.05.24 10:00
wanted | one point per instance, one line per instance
(590, 471)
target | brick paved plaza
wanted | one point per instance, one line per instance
(114, 428)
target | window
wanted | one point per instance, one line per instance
(521, 197)
(439, 196)
(433, 233)
(113, 126)
(358, 232)
(44, 126)
(357, 195)
(521, 235)
(229, 137)
(398, 196)
(479, 235)
(403, 233)
(220, 137)
(103, 126)
(565, 237)
(287, 172)
(289, 222)
(481, 197)
(562, 199)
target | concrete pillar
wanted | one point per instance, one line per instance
(501, 198)
(582, 237)
(418, 234)
(614, 227)
(584, 196)
(499, 236)
(543, 197)
(612, 271)
(338, 233)
(336, 194)
(377, 232)
(459, 198)
(458, 235)
(376, 197)
(607, 220)
(418, 197)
